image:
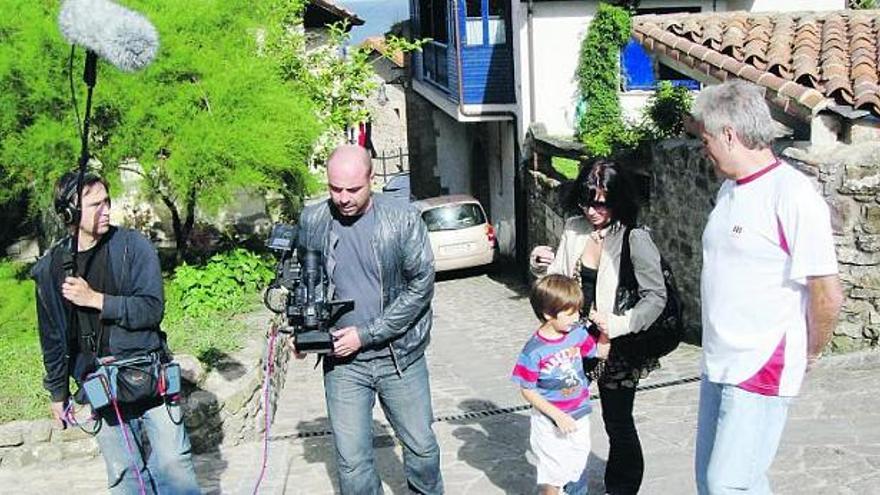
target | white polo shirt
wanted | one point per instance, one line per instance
(767, 233)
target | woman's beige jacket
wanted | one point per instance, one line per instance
(646, 265)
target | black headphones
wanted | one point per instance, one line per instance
(65, 205)
(65, 201)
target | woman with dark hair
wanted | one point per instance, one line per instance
(590, 250)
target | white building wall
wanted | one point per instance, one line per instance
(500, 144)
(558, 29)
(453, 154)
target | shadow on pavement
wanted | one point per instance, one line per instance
(496, 446)
(506, 274)
(513, 277)
(463, 273)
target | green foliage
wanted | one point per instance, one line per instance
(862, 4)
(402, 44)
(21, 364)
(201, 303)
(600, 126)
(566, 166)
(203, 333)
(666, 110)
(221, 284)
(211, 115)
(339, 82)
(37, 127)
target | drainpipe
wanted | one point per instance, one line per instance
(531, 55)
(519, 203)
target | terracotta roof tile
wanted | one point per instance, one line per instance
(779, 50)
(757, 42)
(805, 59)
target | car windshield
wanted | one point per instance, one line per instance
(454, 217)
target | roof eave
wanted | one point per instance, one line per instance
(339, 11)
(709, 66)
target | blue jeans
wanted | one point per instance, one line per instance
(738, 433)
(169, 468)
(351, 388)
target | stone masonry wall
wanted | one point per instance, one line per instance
(850, 180)
(422, 146)
(225, 406)
(545, 220)
(682, 192)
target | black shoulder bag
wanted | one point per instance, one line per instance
(664, 335)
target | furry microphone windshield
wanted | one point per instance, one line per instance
(120, 36)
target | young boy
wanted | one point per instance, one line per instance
(551, 373)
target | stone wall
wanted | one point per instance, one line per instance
(422, 146)
(681, 195)
(227, 406)
(545, 220)
(850, 180)
(223, 407)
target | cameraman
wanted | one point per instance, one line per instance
(376, 252)
(116, 301)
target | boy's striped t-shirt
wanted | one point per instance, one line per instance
(555, 369)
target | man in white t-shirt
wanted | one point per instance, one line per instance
(769, 288)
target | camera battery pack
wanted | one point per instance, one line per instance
(172, 379)
(97, 388)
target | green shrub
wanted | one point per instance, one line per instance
(201, 302)
(220, 284)
(601, 125)
(667, 109)
(566, 166)
(21, 364)
(862, 4)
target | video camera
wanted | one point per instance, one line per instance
(300, 279)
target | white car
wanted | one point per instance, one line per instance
(460, 234)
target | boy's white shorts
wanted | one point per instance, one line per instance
(561, 458)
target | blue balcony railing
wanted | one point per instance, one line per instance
(435, 66)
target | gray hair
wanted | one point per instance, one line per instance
(739, 105)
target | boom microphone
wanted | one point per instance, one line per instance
(120, 36)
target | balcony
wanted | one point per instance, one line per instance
(470, 58)
(435, 64)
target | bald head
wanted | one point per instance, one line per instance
(349, 173)
(350, 156)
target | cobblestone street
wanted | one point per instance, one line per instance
(831, 443)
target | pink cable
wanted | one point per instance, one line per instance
(137, 470)
(273, 332)
(68, 415)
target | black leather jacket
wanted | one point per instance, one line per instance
(406, 270)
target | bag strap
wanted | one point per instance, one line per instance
(626, 275)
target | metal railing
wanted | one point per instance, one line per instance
(435, 63)
(387, 164)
